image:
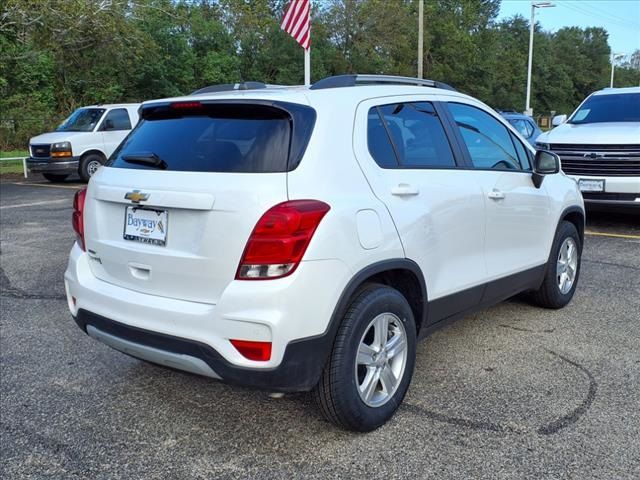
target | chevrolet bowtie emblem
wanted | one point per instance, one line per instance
(136, 196)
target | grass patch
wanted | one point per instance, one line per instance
(14, 153)
(12, 166)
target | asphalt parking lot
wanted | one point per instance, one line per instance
(510, 392)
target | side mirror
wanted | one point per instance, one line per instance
(544, 163)
(558, 120)
(108, 124)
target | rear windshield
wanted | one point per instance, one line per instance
(243, 138)
(618, 107)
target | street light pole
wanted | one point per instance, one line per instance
(534, 5)
(614, 57)
(420, 37)
(613, 66)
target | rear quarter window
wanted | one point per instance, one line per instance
(242, 138)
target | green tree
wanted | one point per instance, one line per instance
(460, 44)
(584, 54)
(56, 56)
(373, 36)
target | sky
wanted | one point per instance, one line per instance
(621, 18)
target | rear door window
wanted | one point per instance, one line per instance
(408, 135)
(239, 138)
(378, 141)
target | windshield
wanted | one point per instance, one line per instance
(619, 107)
(82, 120)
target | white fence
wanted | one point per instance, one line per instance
(24, 163)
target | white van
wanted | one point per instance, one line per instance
(83, 142)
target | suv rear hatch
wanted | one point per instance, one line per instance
(172, 211)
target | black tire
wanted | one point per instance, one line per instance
(87, 163)
(549, 294)
(337, 393)
(55, 177)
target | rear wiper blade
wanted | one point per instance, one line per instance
(148, 159)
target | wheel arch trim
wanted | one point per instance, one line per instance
(361, 277)
(581, 228)
(92, 151)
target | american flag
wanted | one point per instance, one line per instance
(296, 22)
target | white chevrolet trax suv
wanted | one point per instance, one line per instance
(292, 238)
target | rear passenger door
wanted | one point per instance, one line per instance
(115, 126)
(517, 213)
(405, 152)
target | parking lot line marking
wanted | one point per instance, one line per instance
(614, 235)
(33, 204)
(25, 184)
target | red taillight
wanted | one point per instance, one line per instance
(77, 218)
(280, 239)
(259, 351)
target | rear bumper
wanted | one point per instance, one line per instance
(292, 313)
(298, 371)
(50, 165)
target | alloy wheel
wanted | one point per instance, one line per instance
(381, 359)
(567, 265)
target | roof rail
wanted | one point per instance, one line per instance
(353, 80)
(227, 87)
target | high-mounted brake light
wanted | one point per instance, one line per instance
(186, 105)
(77, 218)
(258, 351)
(279, 239)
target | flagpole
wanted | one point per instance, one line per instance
(307, 66)
(297, 23)
(307, 56)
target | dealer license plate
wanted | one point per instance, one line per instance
(589, 185)
(146, 225)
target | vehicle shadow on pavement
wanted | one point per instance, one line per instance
(511, 379)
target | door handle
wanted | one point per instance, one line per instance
(496, 194)
(404, 189)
